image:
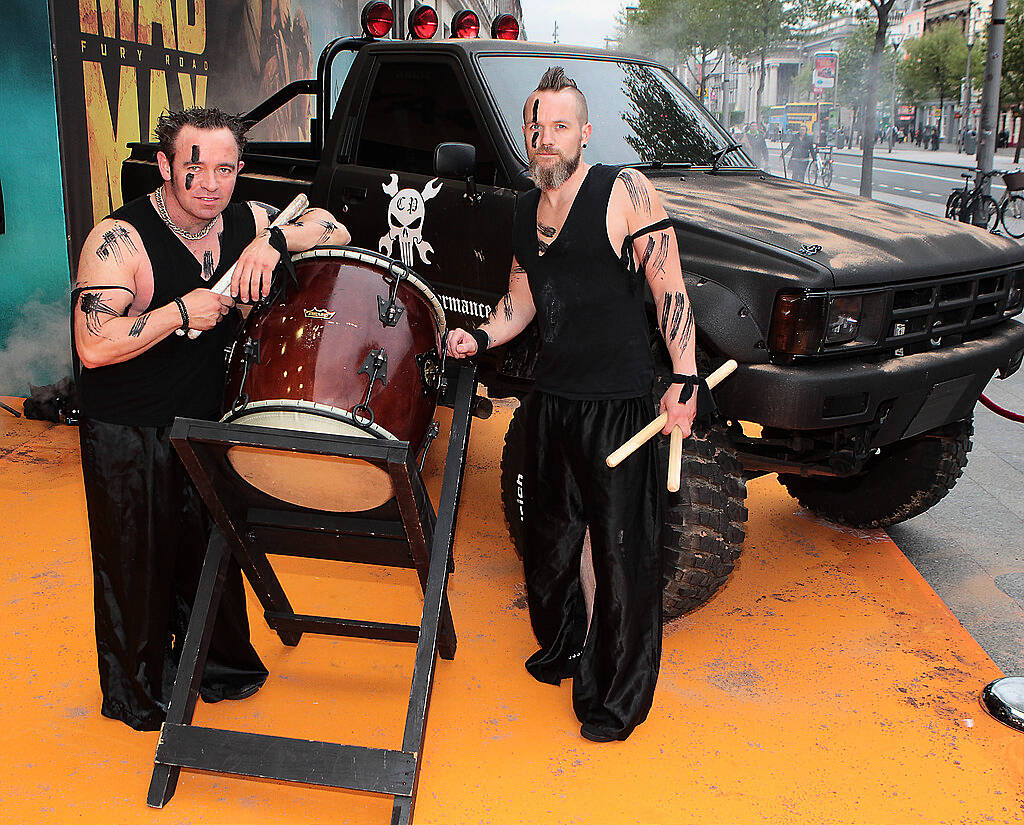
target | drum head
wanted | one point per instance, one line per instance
(319, 482)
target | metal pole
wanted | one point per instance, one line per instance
(990, 93)
(892, 123)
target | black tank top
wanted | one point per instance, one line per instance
(177, 376)
(593, 327)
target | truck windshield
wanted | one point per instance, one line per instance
(640, 114)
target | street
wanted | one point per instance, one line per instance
(968, 547)
(909, 177)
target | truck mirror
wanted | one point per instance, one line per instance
(455, 160)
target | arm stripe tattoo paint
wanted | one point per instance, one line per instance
(666, 308)
(637, 193)
(507, 304)
(138, 326)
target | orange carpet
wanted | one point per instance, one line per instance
(826, 683)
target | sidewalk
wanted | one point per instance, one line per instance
(948, 155)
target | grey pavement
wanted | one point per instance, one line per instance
(970, 546)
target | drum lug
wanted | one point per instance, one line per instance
(250, 356)
(427, 439)
(376, 367)
(430, 371)
(389, 312)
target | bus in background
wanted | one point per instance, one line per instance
(786, 119)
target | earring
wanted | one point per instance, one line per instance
(584, 146)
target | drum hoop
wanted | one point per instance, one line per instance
(312, 407)
(367, 256)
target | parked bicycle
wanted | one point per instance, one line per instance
(1011, 205)
(824, 161)
(964, 204)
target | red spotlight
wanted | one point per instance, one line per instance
(422, 23)
(505, 27)
(377, 18)
(465, 23)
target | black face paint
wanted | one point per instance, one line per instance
(188, 180)
(207, 265)
(195, 153)
(536, 134)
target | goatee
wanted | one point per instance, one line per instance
(551, 177)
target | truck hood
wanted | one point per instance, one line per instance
(862, 241)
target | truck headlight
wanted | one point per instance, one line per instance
(843, 320)
(805, 324)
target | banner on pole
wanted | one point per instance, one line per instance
(823, 78)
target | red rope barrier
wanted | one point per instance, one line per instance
(992, 405)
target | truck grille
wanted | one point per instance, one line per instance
(926, 312)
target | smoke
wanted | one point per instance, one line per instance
(38, 347)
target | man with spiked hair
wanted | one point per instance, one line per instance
(576, 237)
(144, 273)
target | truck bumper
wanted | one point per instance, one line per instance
(902, 396)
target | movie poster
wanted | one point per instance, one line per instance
(823, 77)
(120, 63)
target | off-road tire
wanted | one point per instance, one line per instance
(902, 481)
(703, 526)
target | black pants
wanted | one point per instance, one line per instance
(567, 487)
(149, 531)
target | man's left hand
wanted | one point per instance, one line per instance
(254, 270)
(679, 415)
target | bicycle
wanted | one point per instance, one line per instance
(826, 166)
(1011, 205)
(964, 204)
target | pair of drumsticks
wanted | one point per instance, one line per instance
(675, 447)
(223, 286)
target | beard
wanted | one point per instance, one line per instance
(551, 177)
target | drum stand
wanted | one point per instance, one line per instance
(254, 524)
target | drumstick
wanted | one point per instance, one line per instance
(675, 460)
(289, 213)
(659, 423)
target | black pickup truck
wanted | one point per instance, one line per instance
(865, 333)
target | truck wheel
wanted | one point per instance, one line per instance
(902, 481)
(703, 523)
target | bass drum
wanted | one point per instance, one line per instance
(353, 351)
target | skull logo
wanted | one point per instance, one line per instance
(406, 212)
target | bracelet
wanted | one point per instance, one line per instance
(184, 314)
(278, 241)
(689, 382)
(483, 340)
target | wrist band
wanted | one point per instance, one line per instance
(689, 382)
(184, 314)
(483, 340)
(278, 241)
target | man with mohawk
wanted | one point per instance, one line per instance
(575, 240)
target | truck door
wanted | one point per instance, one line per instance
(393, 203)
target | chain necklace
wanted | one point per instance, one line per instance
(161, 208)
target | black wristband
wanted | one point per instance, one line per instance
(278, 241)
(184, 314)
(483, 340)
(689, 382)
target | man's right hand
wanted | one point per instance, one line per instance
(461, 344)
(205, 308)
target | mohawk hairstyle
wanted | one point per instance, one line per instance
(170, 124)
(554, 80)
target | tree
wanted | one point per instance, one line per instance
(823, 10)
(935, 65)
(761, 25)
(1011, 89)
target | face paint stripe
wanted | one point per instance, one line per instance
(195, 153)
(188, 180)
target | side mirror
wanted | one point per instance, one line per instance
(455, 160)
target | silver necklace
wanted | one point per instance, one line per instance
(161, 208)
